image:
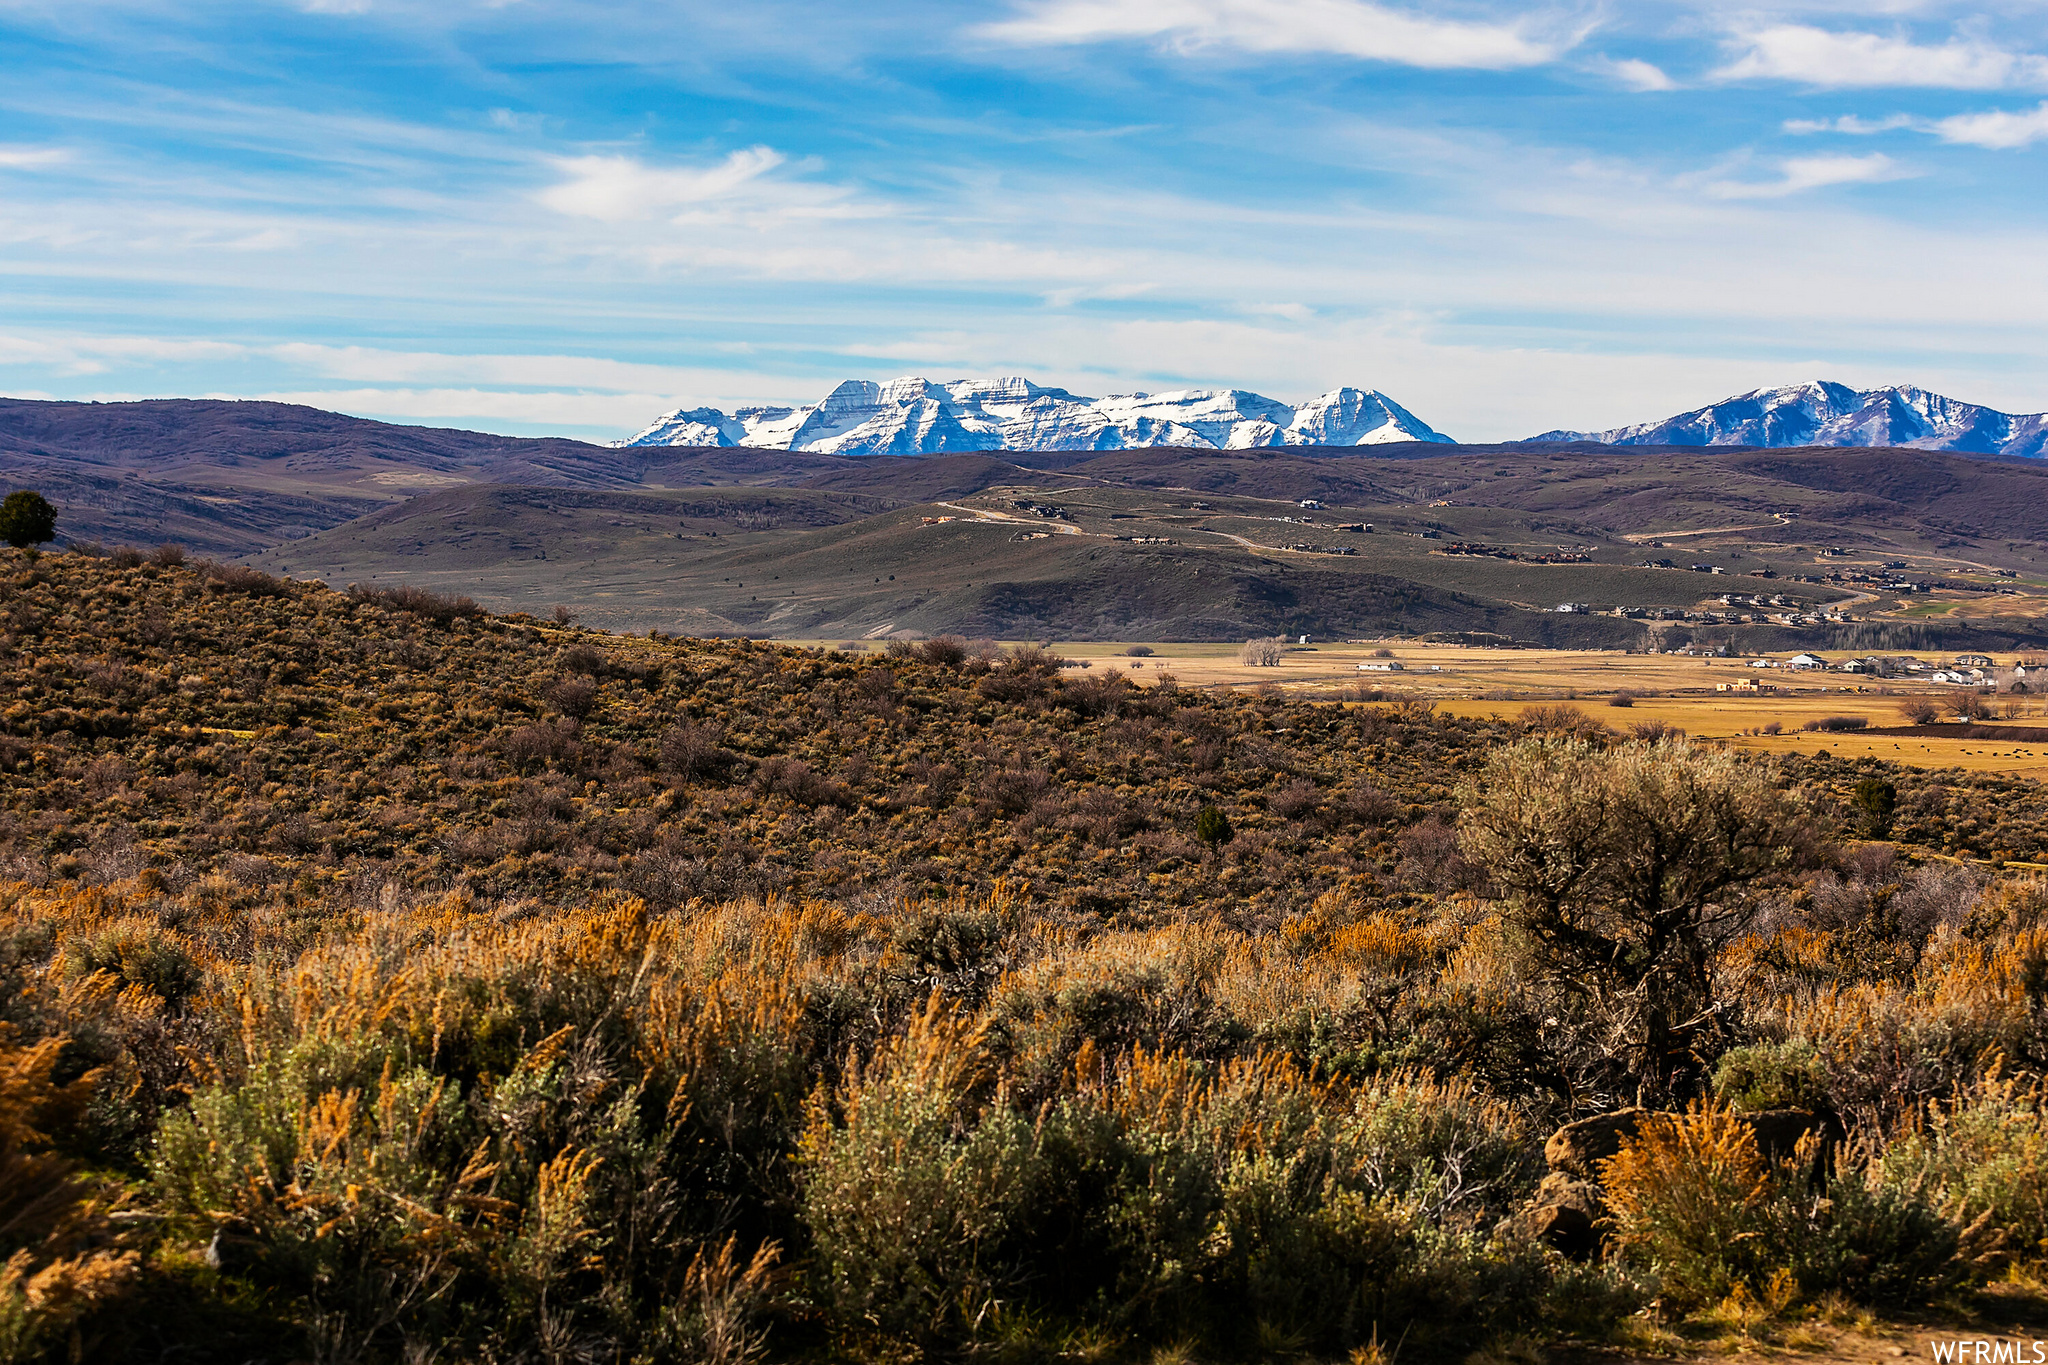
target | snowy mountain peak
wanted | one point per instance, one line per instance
(1824, 413)
(914, 416)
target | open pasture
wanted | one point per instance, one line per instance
(1675, 689)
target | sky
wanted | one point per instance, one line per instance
(547, 218)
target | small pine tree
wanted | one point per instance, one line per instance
(1876, 799)
(27, 519)
(1212, 826)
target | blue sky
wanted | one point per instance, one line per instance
(539, 217)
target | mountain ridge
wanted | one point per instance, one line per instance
(1825, 413)
(915, 416)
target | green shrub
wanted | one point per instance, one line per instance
(1787, 1075)
(916, 1186)
(1983, 1159)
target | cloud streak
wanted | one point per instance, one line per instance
(1837, 60)
(1800, 174)
(1345, 28)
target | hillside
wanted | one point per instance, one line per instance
(380, 977)
(319, 495)
(952, 544)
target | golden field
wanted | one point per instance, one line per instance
(1472, 681)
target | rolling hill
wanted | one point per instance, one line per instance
(1161, 543)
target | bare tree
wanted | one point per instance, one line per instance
(1261, 653)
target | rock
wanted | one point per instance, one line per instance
(1577, 1149)
(1564, 1214)
(235, 1248)
(1778, 1130)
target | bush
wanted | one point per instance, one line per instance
(1626, 870)
(1261, 653)
(1689, 1195)
(1138, 652)
(1623, 699)
(1836, 724)
(1983, 1157)
(441, 609)
(167, 555)
(242, 578)
(1772, 1076)
(1212, 826)
(917, 1188)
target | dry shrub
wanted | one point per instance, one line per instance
(1688, 1196)
(443, 609)
(1262, 653)
(1560, 718)
(62, 1261)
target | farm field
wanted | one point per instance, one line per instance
(1469, 682)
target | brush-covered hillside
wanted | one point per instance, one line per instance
(383, 980)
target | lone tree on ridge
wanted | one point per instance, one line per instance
(27, 519)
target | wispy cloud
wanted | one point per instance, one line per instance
(1349, 28)
(1824, 57)
(1632, 73)
(1800, 174)
(32, 158)
(1996, 128)
(1853, 125)
(619, 187)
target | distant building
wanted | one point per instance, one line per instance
(1574, 608)
(1382, 666)
(1806, 661)
(1311, 503)
(1973, 660)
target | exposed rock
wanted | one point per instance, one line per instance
(1778, 1130)
(1564, 1214)
(1577, 1149)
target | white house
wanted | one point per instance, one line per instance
(1806, 661)
(1382, 666)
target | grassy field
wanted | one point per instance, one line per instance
(1674, 689)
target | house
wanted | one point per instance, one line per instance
(1574, 608)
(1312, 504)
(1744, 685)
(1761, 663)
(1806, 661)
(1973, 661)
(1382, 666)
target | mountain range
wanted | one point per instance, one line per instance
(1827, 414)
(914, 416)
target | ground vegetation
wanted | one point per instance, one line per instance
(386, 980)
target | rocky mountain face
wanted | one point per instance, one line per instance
(918, 417)
(1827, 414)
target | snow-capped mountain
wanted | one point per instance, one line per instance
(1825, 414)
(918, 417)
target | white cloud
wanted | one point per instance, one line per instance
(1852, 125)
(76, 355)
(19, 158)
(1635, 74)
(1817, 56)
(1350, 28)
(619, 187)
(1811, 173)
(1996, 128)
(585, 411)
